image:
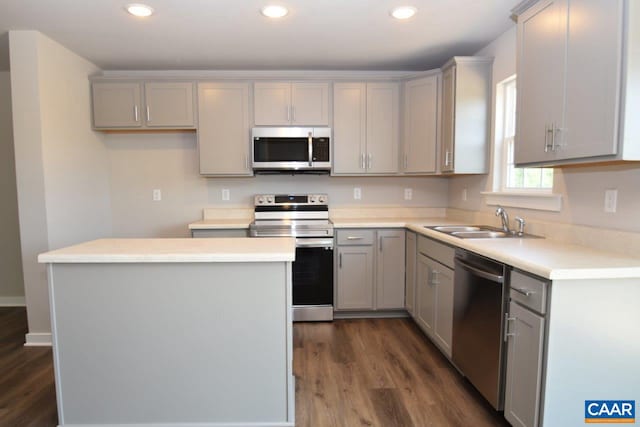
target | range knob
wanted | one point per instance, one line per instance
(312, 199)
(261, 200)
(270, 199)
(322, 199)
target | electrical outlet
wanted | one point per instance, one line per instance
(610, 200)
(408, 194)
(357, 193)
(225, 194)
(157, 195)
(464, 195)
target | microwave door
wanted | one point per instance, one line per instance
(281, 152)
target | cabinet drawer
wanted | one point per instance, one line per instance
(440, 252)
(355, 237)
(529, 291)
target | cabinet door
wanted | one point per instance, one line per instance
(421, 125)
(442, 278)
(592, 86)
(524, 367)
(426, 296)
(541, 67)
(383, 112)
(272, 103)
(349, 128)
(310, 104)
(354, 281)
(223, 130)
(390, 270)
(169, 105)
(448, 118)
(410, 273)
(116, 105)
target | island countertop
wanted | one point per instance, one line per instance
(175, 250)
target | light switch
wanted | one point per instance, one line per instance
(157, 195)
(408, 194)
(357, 193)
(225, 194)
(610, 200)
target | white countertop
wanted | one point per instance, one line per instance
(220, 224)
(175, 250)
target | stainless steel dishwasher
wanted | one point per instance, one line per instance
(479, 304)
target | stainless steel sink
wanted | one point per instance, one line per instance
(476, 232)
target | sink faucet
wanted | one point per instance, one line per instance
(504, 216)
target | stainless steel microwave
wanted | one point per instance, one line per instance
(291, 149)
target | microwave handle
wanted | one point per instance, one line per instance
(310, 140)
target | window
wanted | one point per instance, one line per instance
(528, 188)
(514, 178)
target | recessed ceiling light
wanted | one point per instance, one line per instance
(274, 11)
(137, 9)
(403, 12)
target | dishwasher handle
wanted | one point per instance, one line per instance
(478, 272)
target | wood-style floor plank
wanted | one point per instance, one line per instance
(364, 372)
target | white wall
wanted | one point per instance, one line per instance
(141, 162)
(582, 188)
(11, 282)
(61, 164)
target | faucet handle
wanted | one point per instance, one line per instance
(521, 222)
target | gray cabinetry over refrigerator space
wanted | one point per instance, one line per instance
(143, 105)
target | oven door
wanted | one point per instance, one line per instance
(313, 273)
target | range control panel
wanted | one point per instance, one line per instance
(290, 199)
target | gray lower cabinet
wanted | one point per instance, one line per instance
(434, 292)
(370, 270)
(224, 143)
(410, 272)
(525, 348)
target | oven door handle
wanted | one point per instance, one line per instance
(314, 243)
(478, 272)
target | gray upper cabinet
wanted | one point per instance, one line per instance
(116, 105)
(466, 115)
(572, 108)
(291, 104)
(224, 129)
(419, 144)
(366, 128)
(137, 105)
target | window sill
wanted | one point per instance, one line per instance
(538, 201)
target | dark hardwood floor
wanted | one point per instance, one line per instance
(27, 391)
(371, 372)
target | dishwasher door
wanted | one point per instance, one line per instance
(479, 305)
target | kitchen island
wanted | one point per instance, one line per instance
(175, 332)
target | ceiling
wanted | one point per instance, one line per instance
(233, 35)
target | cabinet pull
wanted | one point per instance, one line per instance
(293, 113)
(288, 113)
(135, 112)
(246, 161)
(548, 129)
(354, 237)
(148, 114)
(434, 277)
(340, 261)
(406, 162)
(446, 158)
(369, 157)
(508, 334)
(553, 137)
(362, 164)
(525, 292)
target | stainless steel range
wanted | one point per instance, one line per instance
(305, 217)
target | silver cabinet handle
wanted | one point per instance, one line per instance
(447, 158)
(288, 113)
(508, 334)
(525, 292)
(340, 261)
(148, 114)
(435, 274)
(246, 161)
(293, 113)
(354, 237)
(546, 138)
(369, 157)
(135, 113)
(362, 165)
(310, 146)
(553, 137)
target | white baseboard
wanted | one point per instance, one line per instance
(12, 302)
(38, 339)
